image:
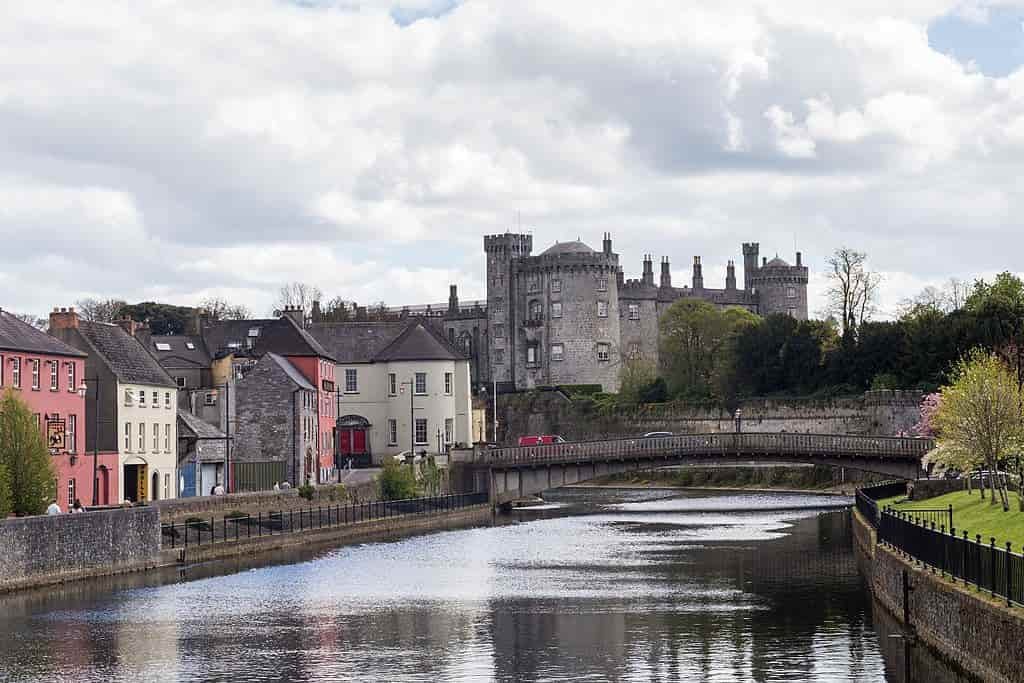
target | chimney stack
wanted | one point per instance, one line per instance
(798, 259)
(607, 244)
(63, 319)
(698, 275)
(127, 324)
(764, 261)
(730, 276)
(648, 276)
(296, 314)
(666, 273)
(453, 298)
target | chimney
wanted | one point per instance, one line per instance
(296, 314)
(798, 259)
(607, 244)
(764, 261)
(315, 314)
(63, 319)
(143, 333)
(730, 276)
(648, 277)
(666, 273)
(453, 298)
(126, 324)
(698, 275)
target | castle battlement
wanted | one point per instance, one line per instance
(509, 244)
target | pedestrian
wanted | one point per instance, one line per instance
(77, 507)
(277, 487)
(53, 509)
(285, 485)
(218, 490)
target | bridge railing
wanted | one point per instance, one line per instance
(729, 443)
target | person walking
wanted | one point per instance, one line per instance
(77, 507)
(53, 509)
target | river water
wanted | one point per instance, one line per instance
(601, 585)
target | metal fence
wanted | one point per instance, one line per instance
(866, 498)
(996, 570)
(233, 528)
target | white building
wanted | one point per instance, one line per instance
(401, 387)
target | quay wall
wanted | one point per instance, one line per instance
(967, 629)
(180, 509)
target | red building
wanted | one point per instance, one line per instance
(49, 376)
(319, 370)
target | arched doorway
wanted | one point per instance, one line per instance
(353, 441)
(155, 488)
(135, 478)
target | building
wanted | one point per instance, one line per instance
(402, 386)
(202, 455)
(48, 376)
(137, 404)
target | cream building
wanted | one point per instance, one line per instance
(401, 386)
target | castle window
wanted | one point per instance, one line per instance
(557, 352)
(791, 312)
(602, 284)
(602, 309)
(499, 331)
(791, 292)
(499, 356)
(602, 351)
(556, 285)
(532, 354)
(634, 350)
(499, 305)
(556, 309)
(634, 311)
(536, 310)
(534, 284)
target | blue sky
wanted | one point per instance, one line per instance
(993, 39)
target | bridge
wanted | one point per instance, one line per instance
(515, 472)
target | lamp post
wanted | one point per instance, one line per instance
(412, 415)
(83, 388)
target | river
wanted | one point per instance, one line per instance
(600, 585)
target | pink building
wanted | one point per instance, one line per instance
(49, 375)
(319, 371)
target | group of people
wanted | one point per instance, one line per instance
(76, 507)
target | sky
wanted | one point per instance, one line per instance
(176, 151)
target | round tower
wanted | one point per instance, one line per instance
(781, 288)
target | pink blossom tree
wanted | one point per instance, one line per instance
(925, 426)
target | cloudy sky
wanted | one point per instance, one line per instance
(178, 150)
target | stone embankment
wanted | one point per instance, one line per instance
(967, 629)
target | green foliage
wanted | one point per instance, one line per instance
(6, 499)
(635, 377)
(579, 390)
(884, 380)
(235, 514)
(306, 491)
(430, 477)
(24, 455)
(162, 318)
(396, 481)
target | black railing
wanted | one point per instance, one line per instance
(866, 498)
(992, 569)
(271, 523)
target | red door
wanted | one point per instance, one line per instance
(345, 442)
(104, 483)
(358, 441)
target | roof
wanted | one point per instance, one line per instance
(200, 429)
(418, 342)
(124, 354)
(172, 351)
(278, 335)
(356, 342)
(294, 375)
(575, 247)
(776, 263)
(18, 335)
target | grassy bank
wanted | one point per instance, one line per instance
(802, 478)
(974, 515)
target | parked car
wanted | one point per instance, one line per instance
(654, 435)
(540, 440)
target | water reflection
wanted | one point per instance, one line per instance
(613, 586)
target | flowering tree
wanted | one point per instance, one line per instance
(925, 426)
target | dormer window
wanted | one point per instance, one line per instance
(190, 346)
(254, 331)
(163, 346)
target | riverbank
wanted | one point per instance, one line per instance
(749, 478)
(846, 492)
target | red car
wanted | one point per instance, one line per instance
(540, 440)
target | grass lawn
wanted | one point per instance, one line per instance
(974, 515)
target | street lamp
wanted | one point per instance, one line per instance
(83, 388)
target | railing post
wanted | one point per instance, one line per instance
(992, 565)
(1009, 570)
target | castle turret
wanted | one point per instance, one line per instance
(502, 252)
(782, 288)
(666, 274)
(698, 274)
(730, 276)
(648, 277)
(750, 251)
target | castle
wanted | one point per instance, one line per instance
(568, 316)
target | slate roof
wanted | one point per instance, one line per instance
(18, 335)
(123, 354)
(574, 247)
(193, 426)
(290, 370)
(277, 335)
(370, 342)
(776, 263)
(180, 356)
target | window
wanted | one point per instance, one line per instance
(451, 334)
(634, 349)
(72, 491)
(128, 437)
(392, 432)
(163, 346)
(72, 443)
(557, 352)
(211, 398)
(156, 399)
(534, 284)
(634, 311)
(128, 398)
(602, 284)
(181, 382)
(449, 425)
(499, 356)
(72, 384)
(556, 285)
(167, 399)
(142, 397)
(499, 305)
(167, 486)
(531, 354)
(421, 382)
(421, 430)
(35, 374)
(156, 438)
(602, 351)
(556, 309)
(499, 331)
(54, 382)
(16, 372)
(791, 292)
(190, 346)
(142, 437)
(351, 380)
(392, 384)
(792, 312)
(536, 310)
(254, 331)
(167, 438)
(448, 383)
(602, 309)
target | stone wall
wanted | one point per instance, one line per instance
(51, 549)
(288, 499)
(552, 412)
(969, 630)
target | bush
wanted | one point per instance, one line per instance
(24, 455)
(235, 514)
(396, 481)
(6, 504)
(306, 491)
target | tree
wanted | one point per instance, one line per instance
(298, 294)
(396, 481)
(6, 498)
(853, 289)
(217, 308)
(100, 311)
(161, 318)
(24, 455)
(979, 417)
(636, 375)
(32, 319)
(998, 309)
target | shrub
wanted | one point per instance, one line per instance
(396, 481)
(306, 491)
(6, 504)
(24, 455)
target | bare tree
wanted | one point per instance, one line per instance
(33, 320)
(853, 289)
(100, 311)
(950, 297)
(956, 292)
(298, 294)
(219, 309)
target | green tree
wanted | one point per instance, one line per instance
(978, 415)
(6, 501)
(998, 310)
(23, 453)
(636, 375)
(396, 481)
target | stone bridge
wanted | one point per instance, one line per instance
(511, 473)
